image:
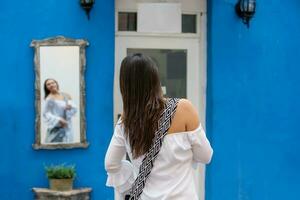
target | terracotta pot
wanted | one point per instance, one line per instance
(61, 184)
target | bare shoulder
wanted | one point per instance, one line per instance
(189, 114)
(67, 95)
(185, 104)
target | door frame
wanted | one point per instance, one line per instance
(156, 42)
(196, 45)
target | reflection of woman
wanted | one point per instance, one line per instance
(162, 137)
(58, 112)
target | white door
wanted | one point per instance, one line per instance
(181, 60)
(184, 51)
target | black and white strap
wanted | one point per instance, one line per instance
(147, 163)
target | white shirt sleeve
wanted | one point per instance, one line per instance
(202, 151)
(50, 119)
(120, 171)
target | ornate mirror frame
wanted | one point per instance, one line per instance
(52, 42)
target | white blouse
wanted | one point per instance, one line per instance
(172, 176)
(54, 110)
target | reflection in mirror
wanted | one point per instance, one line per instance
(60, 93)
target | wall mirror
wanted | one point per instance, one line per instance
(60, 93)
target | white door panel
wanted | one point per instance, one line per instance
(195, 46)
(194, 87)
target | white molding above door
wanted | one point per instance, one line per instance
(194, 43)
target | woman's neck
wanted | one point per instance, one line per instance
(55, 93)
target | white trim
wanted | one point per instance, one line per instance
(195, 68)
(160, 35)
(187, 5)
(135, 33)
(196, 41)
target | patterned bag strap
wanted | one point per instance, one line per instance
(147, 163)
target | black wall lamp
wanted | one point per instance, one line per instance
(87, 5)
(245, 9)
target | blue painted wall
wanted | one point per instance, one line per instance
(253, 98)
(21, 167)
(254, 102)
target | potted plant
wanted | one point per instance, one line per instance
(61, 177)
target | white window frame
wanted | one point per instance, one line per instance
(132, 39)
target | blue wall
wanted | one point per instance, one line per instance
(253, 98)
(21, 167)
(254, 102)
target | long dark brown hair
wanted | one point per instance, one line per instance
(143, 101)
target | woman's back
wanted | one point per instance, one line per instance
(172, 176)
(145, 129)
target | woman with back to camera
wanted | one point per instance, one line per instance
(58, 112)
(162, 136)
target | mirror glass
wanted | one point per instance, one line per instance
(60, 93)
(61, 64)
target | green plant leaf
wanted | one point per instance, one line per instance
(61, 171)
